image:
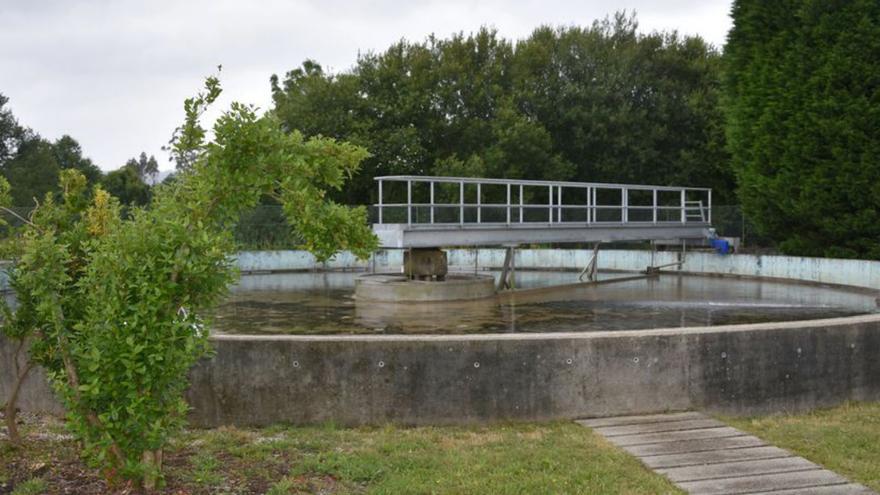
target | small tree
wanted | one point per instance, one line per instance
(116, 309)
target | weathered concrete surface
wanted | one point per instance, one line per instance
(466, 379)
(859, 273)
(745, 369)
(419, 379)
(35, 394)
(697, 456)
(397, 288)
(425, 264)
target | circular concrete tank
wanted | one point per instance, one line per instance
(397, 288)
(421, 379)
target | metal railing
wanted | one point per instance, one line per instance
(538, 202)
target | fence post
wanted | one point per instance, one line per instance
(595, 207)
(461, 202)
(479, 208)
(709, 216)
(508, 202)
(683, 209)
(654, 206)
(559, 204)
(380, 201)
(520, 203)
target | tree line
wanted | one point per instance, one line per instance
(32, 165)
(783, 122)
(602, 103)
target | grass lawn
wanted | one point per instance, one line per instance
(845, 439)
(517, 458)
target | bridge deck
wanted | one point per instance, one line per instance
(438, 235)
(454, 211)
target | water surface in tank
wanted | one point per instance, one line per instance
(324, 303)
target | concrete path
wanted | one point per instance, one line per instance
(706, 457)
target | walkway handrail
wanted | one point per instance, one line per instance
(693, 204)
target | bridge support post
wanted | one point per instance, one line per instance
(654, 270)
(592, 268)
(683, 254)
(508, 272)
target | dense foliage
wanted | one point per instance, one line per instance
(803, 103)
(127, 185)
(602, 103)
(32, 164)
(116, 306)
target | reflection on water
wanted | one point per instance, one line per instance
(323, 303)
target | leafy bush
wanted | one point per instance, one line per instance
(114, 306)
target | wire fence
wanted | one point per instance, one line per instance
(265, 227)
(731, 221)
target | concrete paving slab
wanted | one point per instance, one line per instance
(763, 482)
(675, 436)
(848, 489)
(705, 445)
(737, 468)
(705, 457)
(688, 424)
(635, 420)
(713, 457)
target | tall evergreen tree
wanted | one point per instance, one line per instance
(11, 133)
(803, 113)
(32, 171)
(146, 168)
(68, 154)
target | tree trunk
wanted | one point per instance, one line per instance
(11, 411)
(152, 460)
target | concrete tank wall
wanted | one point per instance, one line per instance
(473, 379)
(742, 369)
(860, 273)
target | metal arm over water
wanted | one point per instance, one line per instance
(458, 211)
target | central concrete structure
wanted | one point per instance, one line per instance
(398, 288)
(425, 264)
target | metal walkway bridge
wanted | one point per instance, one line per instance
(428, 212)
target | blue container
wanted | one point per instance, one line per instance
(721, 246)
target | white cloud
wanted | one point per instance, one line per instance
(113, 74)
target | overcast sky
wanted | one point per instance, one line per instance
(113, 74)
